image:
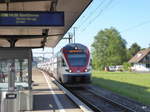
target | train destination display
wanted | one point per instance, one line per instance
(28, 18)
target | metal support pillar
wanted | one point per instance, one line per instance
(12, 42)
(10, 105)
(11, 76)
(21, 73)
(30, 71)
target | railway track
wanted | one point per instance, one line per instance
(89, 101)
(97, 102)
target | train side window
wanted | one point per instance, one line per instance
(63, 62)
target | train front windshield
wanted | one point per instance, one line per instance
(77, 60)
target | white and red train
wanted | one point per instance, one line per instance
(71, 65)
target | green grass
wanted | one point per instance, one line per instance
(133, 85)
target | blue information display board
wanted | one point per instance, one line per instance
(31, 18)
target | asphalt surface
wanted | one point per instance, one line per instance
(48, 97)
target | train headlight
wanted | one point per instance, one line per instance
(87, 70)
(68, 70)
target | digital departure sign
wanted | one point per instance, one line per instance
(31, 18)
(73, 51)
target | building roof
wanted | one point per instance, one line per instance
(40, 36)
(139, 56)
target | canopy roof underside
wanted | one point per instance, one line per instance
(34, 36)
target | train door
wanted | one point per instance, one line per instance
(62, 68)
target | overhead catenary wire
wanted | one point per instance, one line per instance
(86, 18)
(97, 16)
(91, 13)
(135, 26)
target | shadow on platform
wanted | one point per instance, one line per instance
(43, 102)
(47, 102)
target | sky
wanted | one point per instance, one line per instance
(130, 17)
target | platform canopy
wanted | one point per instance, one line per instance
(40, 36)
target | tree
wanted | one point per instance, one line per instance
(108, 49)
(133, 50)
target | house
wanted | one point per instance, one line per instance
(141, 61)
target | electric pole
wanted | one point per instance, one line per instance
(74, 33)
(69, 37)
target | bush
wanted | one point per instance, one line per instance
(126, 66)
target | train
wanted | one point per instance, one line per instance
(71, 65)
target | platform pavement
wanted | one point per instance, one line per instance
(44, 100)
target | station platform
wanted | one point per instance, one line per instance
(48, 97)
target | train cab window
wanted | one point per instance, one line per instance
(63, 62)
(77, 60)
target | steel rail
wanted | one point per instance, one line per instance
(113, 102)
(84, 104)
(97, 107)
